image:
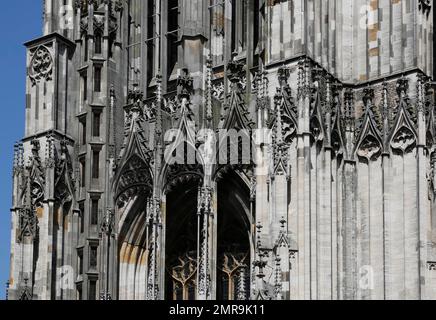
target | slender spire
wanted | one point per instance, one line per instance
(209, 111)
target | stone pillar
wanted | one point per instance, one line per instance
(303, 181)
(387, 198)
(324, 245)
(424, 223)
(48, 17)
(205, 238)
(349, 205)
(154, 234)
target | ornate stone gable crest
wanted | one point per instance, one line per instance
(133, 174)
(36, 175)
(369, 143)
(134, 179)
(235, 113)
(136, 114)
(286, 110)
(64, 181)
(28, 224)
(26, 291)
(284, 123)
(317, 95)
(403, 137)
(32, 196)
(337, 131)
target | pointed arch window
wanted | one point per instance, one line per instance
(96, 123)
(239, 25)
(151, 41)
(85, 48)
(172, 34)
(98, 43)
(96, 164)
(82, 216)
(135, 34)
(97, 78)
(82, 172)
(80, 262)
(79, 292)
(94, 211)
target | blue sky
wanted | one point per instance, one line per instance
(20, 21)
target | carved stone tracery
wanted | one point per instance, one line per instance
(134, 180)
(425, 6)
(41, 65)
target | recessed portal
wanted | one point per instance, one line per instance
(234, 221)
(181, 242)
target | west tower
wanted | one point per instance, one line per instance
(253, 149)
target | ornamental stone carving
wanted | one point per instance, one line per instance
(403, 140)
(370, 148)
(425, 6)
(28, 224)
(41, 66)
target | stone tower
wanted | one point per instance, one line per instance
(227, 149)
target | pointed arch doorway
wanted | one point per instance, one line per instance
(232, 245)
(181, 242)
(234, 238)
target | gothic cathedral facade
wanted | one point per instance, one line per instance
(227, 149)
